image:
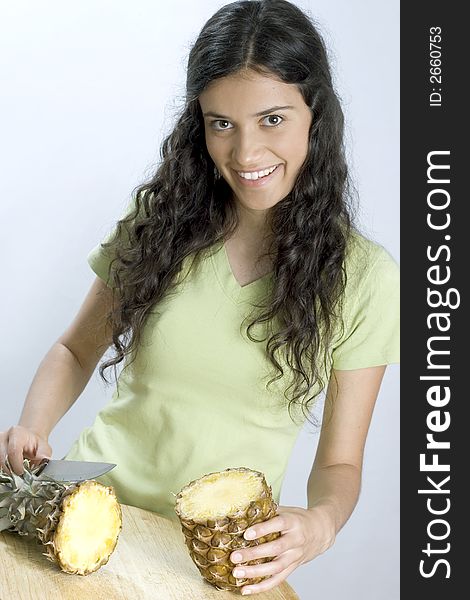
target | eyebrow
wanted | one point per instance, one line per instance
(267, 111)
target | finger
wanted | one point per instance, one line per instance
(268, 583)
(270, 568)
(3, 451)
(282, 508)
(30, 446)
(278, 523)
(15, 451)
(267, 550)
(44, 450)
(39, 455)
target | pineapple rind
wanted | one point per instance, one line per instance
(211, 541)
(35, 507)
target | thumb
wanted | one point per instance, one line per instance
(43, 450)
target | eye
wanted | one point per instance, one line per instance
(220, 125)
(273, 120)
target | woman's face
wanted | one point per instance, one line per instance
(257, 131)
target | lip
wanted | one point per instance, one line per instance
(257, 182)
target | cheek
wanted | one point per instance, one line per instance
(293, 144)
(296, 152)
(302, 146)
(214, 148)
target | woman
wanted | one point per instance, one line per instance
(237, 289)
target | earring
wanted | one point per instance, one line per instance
(216, 173)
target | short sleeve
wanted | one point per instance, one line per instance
(100, 258)
(371, 313)
(100, 261)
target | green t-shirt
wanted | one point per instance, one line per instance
(194, 400)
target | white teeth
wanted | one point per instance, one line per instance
(257, 174)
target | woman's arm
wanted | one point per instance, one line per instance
(60, 379)
(334, 483)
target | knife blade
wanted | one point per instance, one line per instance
(72, 470)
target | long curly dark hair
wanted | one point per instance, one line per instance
(185, 208)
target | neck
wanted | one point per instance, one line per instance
(252, 224)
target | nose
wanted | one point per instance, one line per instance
(248, 149)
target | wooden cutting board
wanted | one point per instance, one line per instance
(150, 562)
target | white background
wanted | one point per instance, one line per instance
(88, 91)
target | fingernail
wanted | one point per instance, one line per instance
(250, 534)
(246, 592)
(237, 557)
(239, 573)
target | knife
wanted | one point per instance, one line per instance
(71, 470)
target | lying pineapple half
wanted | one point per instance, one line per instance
(78, 523)
(214, 511)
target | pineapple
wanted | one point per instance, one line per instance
(77, 523)
(214, 511)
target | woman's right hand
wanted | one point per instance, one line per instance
(20, 442)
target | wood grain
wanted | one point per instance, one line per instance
(150, 562)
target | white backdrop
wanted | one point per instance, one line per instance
(88, 91)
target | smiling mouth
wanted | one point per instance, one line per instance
(255, 175)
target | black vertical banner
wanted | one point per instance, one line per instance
(435, 256)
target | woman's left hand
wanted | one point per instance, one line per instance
(305, 533)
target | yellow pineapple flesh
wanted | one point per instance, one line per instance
(215, 511)
(88, 529)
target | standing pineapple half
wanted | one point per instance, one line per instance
(214, 511)
(78, 523)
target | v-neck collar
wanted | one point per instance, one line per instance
(238, 293)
